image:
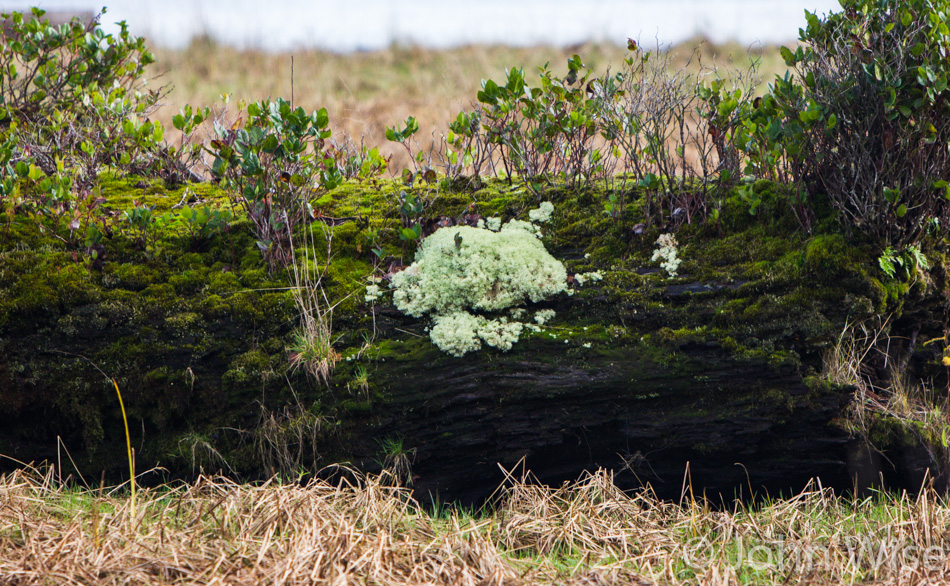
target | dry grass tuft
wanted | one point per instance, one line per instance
(363, 531)
(218, 532)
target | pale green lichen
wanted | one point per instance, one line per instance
(582, 278)
(543, 316)
(373, 292)
(458, 269)
(462, 268)
(493, 224)
(462, 332)
(455, 334)
(667, 253)
(543, 213)
(522, 225)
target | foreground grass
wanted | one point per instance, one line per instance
(364, 92)
(217, 532)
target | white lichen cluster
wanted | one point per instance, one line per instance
(493, 224)
(373, 291)
(462, 332)
(668, 247)
(462, 269)
(582, 278)
(543, 213)
(543, 316)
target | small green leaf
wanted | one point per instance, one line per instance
(788, 56)
(887, 265)
(323, 118)
(270, 143)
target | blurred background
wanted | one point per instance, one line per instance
(365, 25)
(373, 63)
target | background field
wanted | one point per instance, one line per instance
(366, 92)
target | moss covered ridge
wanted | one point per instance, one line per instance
(638, 368)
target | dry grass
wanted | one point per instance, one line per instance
(366, 92)
(919, 408)
(312, 346)
(589, 532)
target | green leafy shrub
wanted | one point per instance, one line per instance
(278, 164)
(537, 133)
(877, 76)
(200, 223)
(75, 95)
(863, 117)
(275, 166)
(645, 120)
(46, 67)
(73, 102)
(659, 128)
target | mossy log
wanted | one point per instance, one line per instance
(714, 376)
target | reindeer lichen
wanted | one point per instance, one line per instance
(460, 270)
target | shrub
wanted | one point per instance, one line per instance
(584, 127)
(659, 128)
(278, 164)
(47, 67)
(275, 167)
(74, 97)
(863, 117)
(880, 70)
(541, 132)
(72, 102)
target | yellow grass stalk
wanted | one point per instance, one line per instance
(128, 447)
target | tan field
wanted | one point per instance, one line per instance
(366, 92)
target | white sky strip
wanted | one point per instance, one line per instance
(348, 25)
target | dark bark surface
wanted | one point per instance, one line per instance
(736, 422)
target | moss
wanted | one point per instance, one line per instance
(253, 367)
(198, 336)
(406, 350)
(828, 254)
(132, 276)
